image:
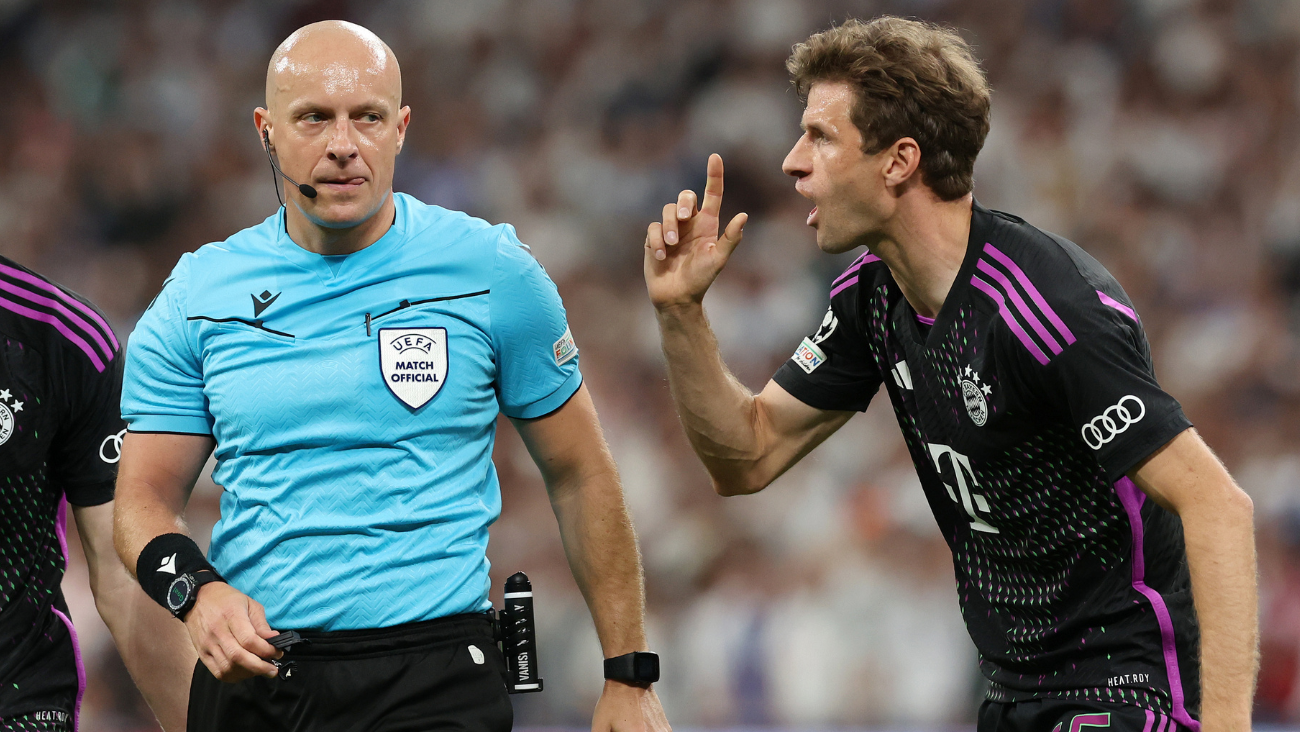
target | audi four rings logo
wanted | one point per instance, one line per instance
(1104, 427)
(110, 450)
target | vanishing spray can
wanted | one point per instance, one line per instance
(519, 636)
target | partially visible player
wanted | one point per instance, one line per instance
(348, 360)
(1105, 559)
(60, 440)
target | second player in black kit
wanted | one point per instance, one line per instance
(60, 433)
(1024, 404)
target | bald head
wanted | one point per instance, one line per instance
(339, 55)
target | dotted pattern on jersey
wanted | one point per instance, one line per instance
(1050, 502)
(31, 562)
(35, 722)
(1157, 700)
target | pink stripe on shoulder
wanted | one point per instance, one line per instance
(1033, 292)
(858, 263)
(1112, 302)
(18, 274)
(58, 325)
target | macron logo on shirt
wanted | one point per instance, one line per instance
(168, 565)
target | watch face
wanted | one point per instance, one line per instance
(179, 592)
(646, 667)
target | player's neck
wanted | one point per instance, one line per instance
(329, 241)
(924, 246)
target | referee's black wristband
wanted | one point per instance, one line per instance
(164, 559)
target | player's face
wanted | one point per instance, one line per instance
(842, 181)
(338, 127)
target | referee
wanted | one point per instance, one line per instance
(347, 359)
(1104, 558)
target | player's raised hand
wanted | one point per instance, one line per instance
(684, 253)
(229, 631)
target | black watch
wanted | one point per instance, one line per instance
(639, 667)
(184, 590)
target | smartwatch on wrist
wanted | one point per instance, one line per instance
(639, 667)
(184, 590)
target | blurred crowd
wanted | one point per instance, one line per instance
(1161, 135)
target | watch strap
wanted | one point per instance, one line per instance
(638, 667)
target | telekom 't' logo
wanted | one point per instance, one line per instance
(969, 500)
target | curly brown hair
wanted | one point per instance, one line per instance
(913, 79)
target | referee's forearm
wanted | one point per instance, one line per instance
(601, 547)
(716, 410)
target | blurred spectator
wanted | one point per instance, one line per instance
(1161, 135)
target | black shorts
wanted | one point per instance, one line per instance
(438, 674)
(1067, 715)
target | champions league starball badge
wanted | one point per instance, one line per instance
(413, 362)
(973, 393)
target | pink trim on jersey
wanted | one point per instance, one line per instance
(42, 284)
(1034, 294)
(1021, 306)
(867, 258)
(1132, 498)
(1010, 318)
(846, 284)
(58, 306)
(61, 531)
(924, 320)
(58, 325)
(1112, 302)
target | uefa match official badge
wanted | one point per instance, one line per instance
(974, 393)
(413, 362)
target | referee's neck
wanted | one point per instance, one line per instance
(328, 238)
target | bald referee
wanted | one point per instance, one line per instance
(347, 359)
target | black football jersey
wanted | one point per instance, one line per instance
(60, 439)
(1023, 404)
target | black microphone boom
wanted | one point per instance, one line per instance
(303, 188)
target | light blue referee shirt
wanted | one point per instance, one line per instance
(354, 402)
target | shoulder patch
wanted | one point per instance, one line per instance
(565, 349)
(808, 356)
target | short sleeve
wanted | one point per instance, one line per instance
(537, 360)
(85, 453)
(163, 387)
(833, 369)
(1106, 386)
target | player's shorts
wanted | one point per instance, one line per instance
(438, 674)
(1067, 715)
(39, 679)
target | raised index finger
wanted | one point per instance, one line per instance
(713, 186)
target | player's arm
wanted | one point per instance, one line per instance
(582, 480)
(155, 477)
(157, 652)
(745, 440)
(1185, 477)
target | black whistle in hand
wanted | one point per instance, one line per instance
(519, 636)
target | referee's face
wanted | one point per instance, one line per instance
(336, 122)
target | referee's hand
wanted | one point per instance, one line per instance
(684, 253)
(229, 630)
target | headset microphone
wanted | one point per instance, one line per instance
(303, 188)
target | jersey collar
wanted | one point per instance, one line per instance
(341, 268)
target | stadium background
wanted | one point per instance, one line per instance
(1161, 135)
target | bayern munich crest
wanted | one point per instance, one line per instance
(413, 362)
(974, 393)
(10, 406)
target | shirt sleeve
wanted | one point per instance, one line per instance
(1105, 385)
(833, 369)
(86, 450)
(163, 387)
(537, 360)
